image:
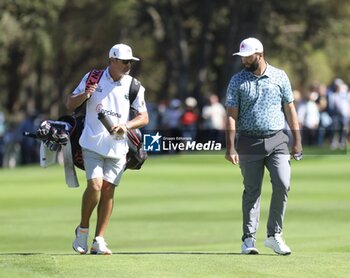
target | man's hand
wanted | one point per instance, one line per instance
(232, 157)
(90, 90)
(297, 151)
(120, 129)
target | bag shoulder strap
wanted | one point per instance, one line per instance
(134, 89)
(93, 78)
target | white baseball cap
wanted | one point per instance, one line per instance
(191, 102)
(122, 52)
(249, 47)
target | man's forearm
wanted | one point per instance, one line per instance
(74, 101)
(140, 120)
(292, 120)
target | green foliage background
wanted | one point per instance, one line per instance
(186, 46)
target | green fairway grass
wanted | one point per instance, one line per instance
(180, 216)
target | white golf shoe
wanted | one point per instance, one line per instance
(277, 244)
(248, 246)
(99, 247)
(80, 242)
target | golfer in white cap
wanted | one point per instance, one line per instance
(259, 100)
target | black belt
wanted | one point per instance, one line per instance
(259, 136)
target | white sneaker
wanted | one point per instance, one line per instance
(80, 242)
(248, 246)
(99, 247)
(277, 244)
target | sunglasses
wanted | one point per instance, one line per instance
(125, 62)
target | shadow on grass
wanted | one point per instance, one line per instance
(139, 253)
(33, 254)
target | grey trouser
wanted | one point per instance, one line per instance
(254, 155)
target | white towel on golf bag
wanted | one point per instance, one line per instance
(48, 158)
(69, 169)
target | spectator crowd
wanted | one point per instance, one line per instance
(323, 113)
(172, 118)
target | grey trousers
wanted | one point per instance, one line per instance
(254, 155)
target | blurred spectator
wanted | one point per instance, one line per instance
(189, 119)
(349, 118)
(325, 119)
(29, 146)
(11, 146)
(171, 116)
(153, 116)
(297, 98)
(214, 115)
(309, 117)
(338, 109)
(170, 119)
(2, 133)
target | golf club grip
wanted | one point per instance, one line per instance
(29, 134)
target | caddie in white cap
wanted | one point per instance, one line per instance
(122, 52)
(259, 102)
(109, 95)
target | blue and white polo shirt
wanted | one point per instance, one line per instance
(260, 100)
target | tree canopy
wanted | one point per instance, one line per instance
(185, 46)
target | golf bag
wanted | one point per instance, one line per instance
(135, 157)
(55, 134)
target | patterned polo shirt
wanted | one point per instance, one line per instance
(259, 100)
